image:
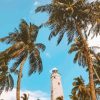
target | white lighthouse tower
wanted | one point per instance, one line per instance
(56, 86)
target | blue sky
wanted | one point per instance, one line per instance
(11, 12)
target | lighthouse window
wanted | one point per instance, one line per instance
(58, 83)
(52, 91)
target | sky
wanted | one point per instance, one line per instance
(39, 86)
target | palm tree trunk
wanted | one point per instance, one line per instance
(89, 62)
(19, 80)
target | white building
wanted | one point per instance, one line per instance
(56, 85)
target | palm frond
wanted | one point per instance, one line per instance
(9, 39)
(24, 30)
(6, 81)
(76, 57)
(55, 31)
(46, 8)
(18, 61)
(2, 86)
(61, 35)
(33, 63)
(40, 66)
(40, 46)
(70, 36)
(73, 48)
(11, 82)
(4, 39)
(12, 52)
(33, 31)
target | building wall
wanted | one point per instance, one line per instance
(56, 86)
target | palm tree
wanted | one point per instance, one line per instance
(73, 17)
(73, 95)
(23, 47)
(81, 59)
(80, 91)
(6, 80)
(60, 98)
(25, 96)
(38, 99)
(78, 48)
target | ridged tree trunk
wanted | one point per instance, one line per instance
(19, 80)
(89, 62)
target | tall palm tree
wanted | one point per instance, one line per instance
(79, 57)
(73, 17)
(23, 47)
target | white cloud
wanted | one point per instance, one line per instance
(36, 3)
(93, 42)
(33, 95)
(32, 12)
(91, 0)
(48, 55)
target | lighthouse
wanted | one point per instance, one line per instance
(56, 86)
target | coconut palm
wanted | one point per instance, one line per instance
(6, 80)
(73, 95)
(78, 48)
(80, 91)
(60, 98)
(38, 99)
(25, 96)
(73, 17)
(81, 59)
(23, 47)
